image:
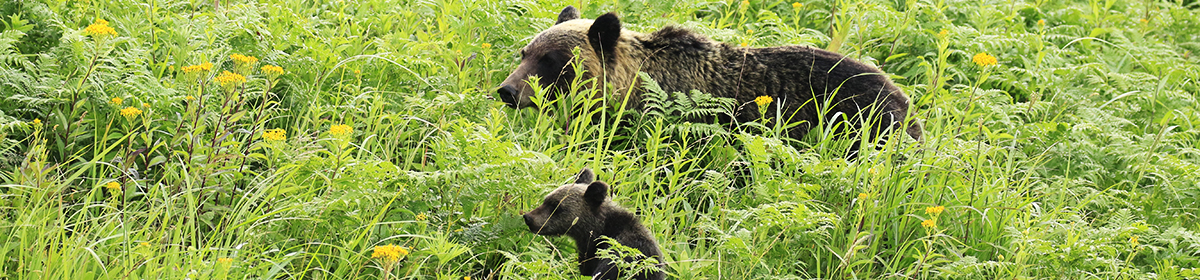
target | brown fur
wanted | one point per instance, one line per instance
(811, 84)
(583, 211)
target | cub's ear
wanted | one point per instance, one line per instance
(596, 193)
(603, 36)
(585, 176)
(568, 13)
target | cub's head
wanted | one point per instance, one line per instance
(572, 208)
(548, 56)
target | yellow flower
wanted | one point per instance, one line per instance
(943, 33)
(745, 2)
(145, 104)
(243, 59)
(1041, 22)
(796, 5)
(421, 217)
(202, 67)
(116, 100)
(466, 277)
(743, 45)
(130, 112)
(983, 59)
(144, 244)
(935, 210)
(100, 29)
(113, 186)
(189, 98)
(224, 261)
(486, 45)
(272, 70)
(929, 223)
(277, 134)
(749, 31)
(1133, 240)
(762, 101)
(229, 79)
(1144, 21)
(340, 130)
(389, 253)
(36, 122)
(863, 196)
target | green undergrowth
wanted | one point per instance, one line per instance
(381, 152)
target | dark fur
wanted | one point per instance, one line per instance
(584, 212)
(812, 84)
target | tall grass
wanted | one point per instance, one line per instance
(1074, 156)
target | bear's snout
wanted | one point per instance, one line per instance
(508, 94)
(529, 221)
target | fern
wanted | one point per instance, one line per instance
(9, 55)
(690, 113)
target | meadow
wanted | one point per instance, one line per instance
(275, 139)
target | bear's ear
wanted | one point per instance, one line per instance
(585, 176)
(596, 193)
(603, 35)
(568, 13)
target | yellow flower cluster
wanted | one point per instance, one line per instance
(863, 196)
(1133, 240)
(272, 70)
(36, 122)
(1041, 22)
(340, 130)
(189, 98)
(277, 134)
(486, 45)
(930, 223)
(130, 112)
(145, 104)
(113, 186)
(935, 210)
(202, 67)
(224, 261)
(763, 100)
(389, 253)
(229, 79)
(984, 59)
(116, 100)
(243, 59)
(797, 5)
(100, 29)
(421, 217)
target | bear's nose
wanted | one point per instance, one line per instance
(530, 223)
(508, 94)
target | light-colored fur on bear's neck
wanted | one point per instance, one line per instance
(622, 73)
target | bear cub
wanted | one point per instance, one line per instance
(583, 211)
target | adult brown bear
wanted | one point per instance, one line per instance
(811, 84)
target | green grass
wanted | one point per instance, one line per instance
(1077, 156)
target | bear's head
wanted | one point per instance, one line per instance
(572, 209)
(548, 56)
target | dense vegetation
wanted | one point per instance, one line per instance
(157, 139)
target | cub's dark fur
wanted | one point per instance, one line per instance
(583, 211)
